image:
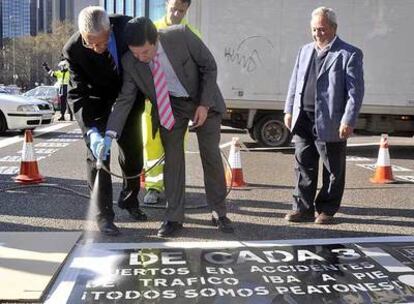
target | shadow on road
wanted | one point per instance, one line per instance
(51, 209)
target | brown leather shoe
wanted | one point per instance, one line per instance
(324, 219)
(300, 216)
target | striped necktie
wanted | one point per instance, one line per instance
(163, 98)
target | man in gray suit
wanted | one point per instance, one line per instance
(323, 101)
(189, 72)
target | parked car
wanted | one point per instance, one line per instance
(46, 93)
(10, 89)
(20, 113)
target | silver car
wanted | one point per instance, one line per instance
(46, 93)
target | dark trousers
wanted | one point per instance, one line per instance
(308, 150)
(131, 162)
(64, 106)
(208, 136)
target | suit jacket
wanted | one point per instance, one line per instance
(95, 84)
(194, 65)
(339, 88)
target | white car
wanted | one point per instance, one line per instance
(20, 113)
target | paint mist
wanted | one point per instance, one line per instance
(89, 229)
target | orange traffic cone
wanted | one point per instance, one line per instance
(383, 170)
(29, 172)
(234, 174)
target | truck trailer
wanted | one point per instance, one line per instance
(255, 44)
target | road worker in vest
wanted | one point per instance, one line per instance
(153, 149)
(62, 81)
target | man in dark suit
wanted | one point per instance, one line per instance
(323, 101)
(178, 69)
(94, 55)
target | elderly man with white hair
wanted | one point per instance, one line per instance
(323, 101)
(94, 56)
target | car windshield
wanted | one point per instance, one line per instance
(33, 92)
(41, 92)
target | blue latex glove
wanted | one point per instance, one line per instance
(95, 139)
(104, 147)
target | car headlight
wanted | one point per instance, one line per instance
(27, 108)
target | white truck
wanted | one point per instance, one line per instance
(255, 43)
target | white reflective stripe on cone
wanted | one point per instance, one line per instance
(28, 153)
(234, 158)
(383, 158)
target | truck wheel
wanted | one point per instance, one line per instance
(3, 123)
(271, 131)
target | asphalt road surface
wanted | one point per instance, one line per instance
(257, 209)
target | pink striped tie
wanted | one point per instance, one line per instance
(163, 97)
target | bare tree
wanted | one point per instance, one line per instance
(28, 53)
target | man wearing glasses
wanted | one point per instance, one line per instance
(94, 56)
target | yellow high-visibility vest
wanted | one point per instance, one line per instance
(162, 24)
(61, 76)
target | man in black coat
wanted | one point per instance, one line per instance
(94, 56)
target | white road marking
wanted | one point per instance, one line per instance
(63, 139)
(51, 145)
(367, 166)
(400, 169)
(42, 151)
(405, 178)
(15, 139)
(76, 131)
(11, 159)
(67, 135)
(356, 159)
(386, 260)
(362, 144)
(9, 170)
(393, 167)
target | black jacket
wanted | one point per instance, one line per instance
(95, 84)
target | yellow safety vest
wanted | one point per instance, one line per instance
(62, 77)
(162, 24)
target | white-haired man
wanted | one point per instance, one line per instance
(94, 56)
(323, 101)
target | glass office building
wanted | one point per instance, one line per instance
(154, 9)
(15, 18)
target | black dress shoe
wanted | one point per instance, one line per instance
(108, 228)
(223, 224)
(169, 228)
(62, 118)
(137, 214)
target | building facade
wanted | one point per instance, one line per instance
(154, 9)
(15, 18)
(1, 27)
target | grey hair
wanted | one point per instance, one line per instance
(327, 12)
(93, 20)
